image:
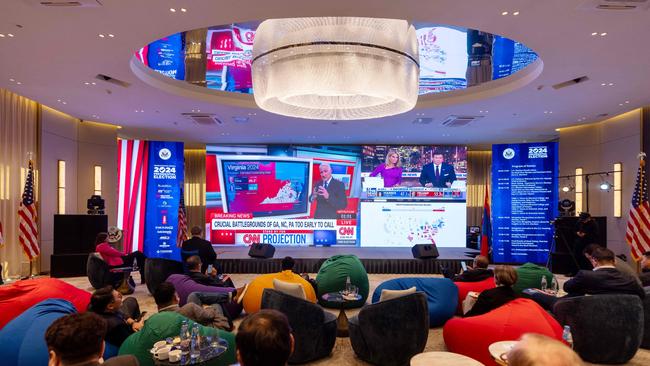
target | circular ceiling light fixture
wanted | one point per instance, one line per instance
(335, 68)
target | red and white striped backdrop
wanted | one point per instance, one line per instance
(132, 162)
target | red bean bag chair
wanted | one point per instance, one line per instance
(472, 336)
(21, 295)
(465, 287)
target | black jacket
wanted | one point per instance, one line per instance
(326, 208)
(206, 252)
(491, 299)
(603, 281)
(474, 275)
(199, 277)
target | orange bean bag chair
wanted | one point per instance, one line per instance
(253, 295)
(472, 336)
(21, 295)
(465, 287)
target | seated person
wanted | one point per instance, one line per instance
(645, 269)
(620, 264)
(117, 259)
(264, 339)
(78, 339)
(213, 316)
(603, 279)
(206, 252)
(538, 350)
(123, 317)
(194, 265)
(479, 271)
(504, 277)
(287, 265)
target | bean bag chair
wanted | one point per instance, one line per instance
(332, 276)
(645, 343)
(606, 329)
(442, 295)
(168, 324)
(313, 329)
(184, 286)
(99, 274)
(465, 287)
(253, 297)
(392, 331)
(530, 275)
(22, 340)
(21, 295)
(472, 336)
(156, 271)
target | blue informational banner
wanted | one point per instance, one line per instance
(524, 201)
(164, 180)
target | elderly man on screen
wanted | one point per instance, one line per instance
(328, 193)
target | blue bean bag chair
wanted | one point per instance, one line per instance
(442, 295)
(22, 340)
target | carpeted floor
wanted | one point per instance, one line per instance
(342, 354)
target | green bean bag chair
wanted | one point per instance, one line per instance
(530, 276)
(168, 324)
(332, 276)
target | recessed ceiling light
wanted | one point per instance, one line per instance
(504, 13)
(19, 83)
(594, 33)
(621, 104)
(111, 35)
(2, 35)
(101, 35)
(119, 127)
(627, 102)
(183, 10)
(93, 83)
(611, 84)
(515, 13)
(64, 102)
(86, 83)
(603, 34)
(557, 130)
(172, 10)
(12, 80)
(10, 35)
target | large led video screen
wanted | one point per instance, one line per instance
(336, 195)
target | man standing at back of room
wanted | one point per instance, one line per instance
(329, 194)
(437, 174)
(204, 248)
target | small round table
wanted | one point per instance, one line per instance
(342, 321)
(443, 359)
(498, 349)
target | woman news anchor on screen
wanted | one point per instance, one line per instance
(391, 170)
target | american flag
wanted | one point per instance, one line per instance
(27, 231)
(182, 222)
(638, 224)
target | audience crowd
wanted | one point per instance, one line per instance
(265, 337)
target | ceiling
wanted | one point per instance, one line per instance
(56, 50)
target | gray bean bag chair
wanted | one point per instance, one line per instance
(314, 329)
(390, 332)
(606, 329)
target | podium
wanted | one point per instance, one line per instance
(74, 239)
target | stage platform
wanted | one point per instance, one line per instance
(235, 259)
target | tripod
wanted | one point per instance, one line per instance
(559, 236)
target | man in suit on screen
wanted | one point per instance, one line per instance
(328, 193)
(437, 174)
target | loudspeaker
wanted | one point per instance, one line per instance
(422, 251)
(261, 251)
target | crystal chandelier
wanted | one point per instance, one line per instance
(335, 68)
